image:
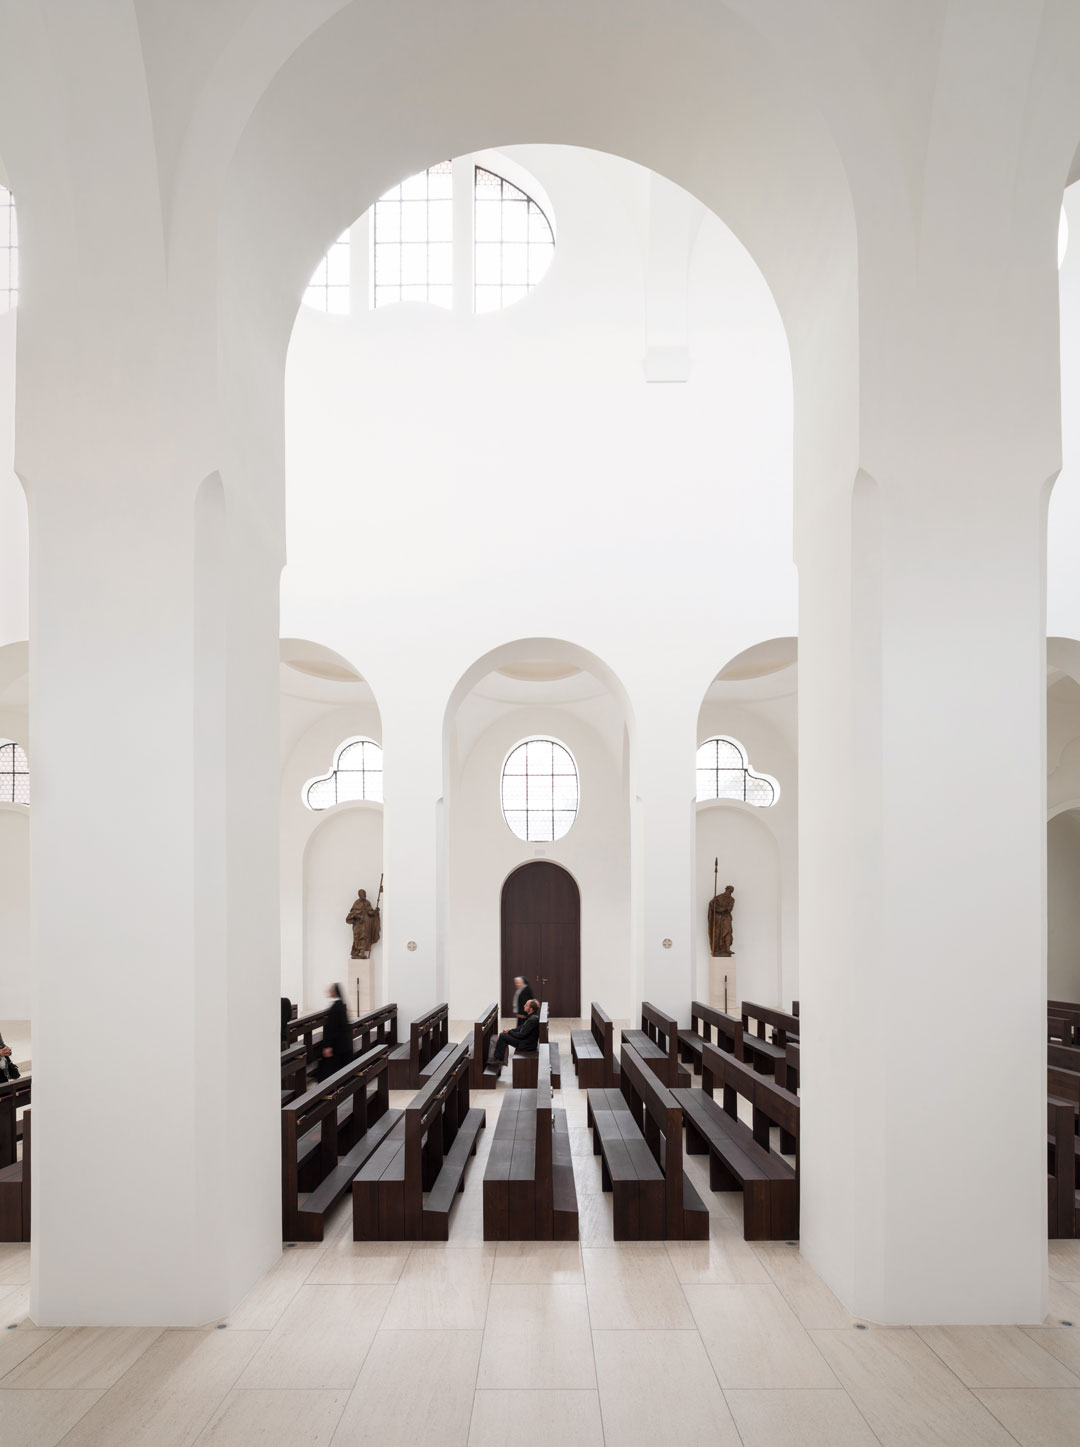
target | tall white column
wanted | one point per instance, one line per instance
(153, 857)
(921, 824)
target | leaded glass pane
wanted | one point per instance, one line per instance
(512, 239)
(724, 772)
(539, 790)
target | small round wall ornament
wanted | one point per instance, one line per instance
(411, 945)
(666, 944)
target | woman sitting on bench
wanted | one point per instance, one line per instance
(525, 1037)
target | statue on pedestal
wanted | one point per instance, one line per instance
(721, 905)
(366, 924)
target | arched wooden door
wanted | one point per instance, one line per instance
(541, 936)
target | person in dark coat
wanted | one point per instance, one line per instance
(286, 1016)
(522, 992)
(337, 1041)
(525, 1037)
(8, 1069)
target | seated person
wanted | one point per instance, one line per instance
(525, 1036)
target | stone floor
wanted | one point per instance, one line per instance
(473, 1345)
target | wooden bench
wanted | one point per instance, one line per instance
(428, 1033)
(15, 1173)
(406, 1188)
(529, 1190)
(790, 1079)
(484, 1074)
(294, 1071)
(593, 1052)
(767, 1053)
(347, 1115)
(657, 1042)
(308, 1028)
(1063, 1021)
(703, 1021)
(740, 1155)
(377, 1027)
(1062, 1196)
(528, 1065)
(658, 1115)
(543, 1022)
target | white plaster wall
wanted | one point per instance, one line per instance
(483, 852)
(1063, 906)
(14, 528)
(15, 980)
(344, 853)
(749, 859)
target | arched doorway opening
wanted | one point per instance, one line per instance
(541, 936)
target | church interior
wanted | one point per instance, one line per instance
(539, 552)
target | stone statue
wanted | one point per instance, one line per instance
(720, 932)
(366, 925)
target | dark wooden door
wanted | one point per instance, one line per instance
(541, 936)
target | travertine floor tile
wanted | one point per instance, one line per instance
(755, 1339)
(811, 1418)
(634, 1288)
(359, 1263)
(907, 1395)
(538, 1263)
(83, 1356)
(17, 1345)
(724, 1260)
(14, 1263)
(1064, 1260)
(169, 1395)
(442, 1291)
(396, 1405)
(1062, 1342)
(658, 1387)
(802, 1288)
(543, 1328)
(298, 1418)
(40, 1418)
(321, 1339)
(1063, 1303)
(262, 1308)
(536, 1419)
(996, 1356)
(1037, 1419)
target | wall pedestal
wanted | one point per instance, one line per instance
(719, 970)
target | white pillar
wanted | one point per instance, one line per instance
(154, 906)
(921, 825)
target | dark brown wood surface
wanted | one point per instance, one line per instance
(541, 936)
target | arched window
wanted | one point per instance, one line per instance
(14, 774)
(357, 773)
(724, 772)
(328, 289)
(412, 248)
(513, 242)
(540, 791)
(9, 251)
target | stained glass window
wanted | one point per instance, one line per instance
(513, 243)
(14, 774)
(357, 774)
(540, 791)
(412, 242)
(9, 251)
(724, 772)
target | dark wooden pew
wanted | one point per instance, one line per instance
(405, 1190)
(308, 1028)
(593, 1051)
(740, 1155)
(14, 1097)
(377, 1027)
(1065, 1057)
(484, 1075)
(1063, 1198)
(657, 1042)
(347, 1115)
(767, 1053)
(790, 1079)
(427, 1036)
(1063, 1021)
(659, 1116)
(15, 1188)
(294, 1071)
(527, 1065)
(529, 1190)
(544, 1022)
(704, 1019)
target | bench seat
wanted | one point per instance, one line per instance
(737, 1162)
(313, 1208)
(628, 1170)
(451, 1177)
(658, 1060)
(526, 1067)
(564, 1189)
(436, 1062)
(690, 1047)
(763, 1054)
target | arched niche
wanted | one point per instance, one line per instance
(536, 688)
